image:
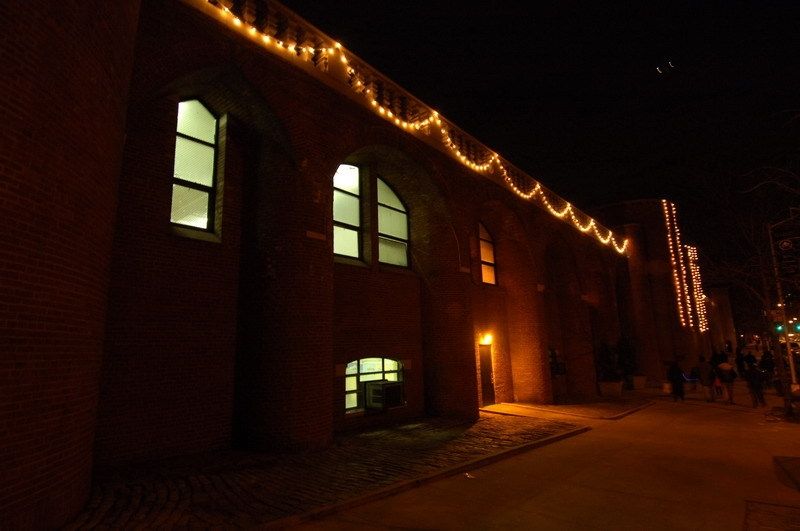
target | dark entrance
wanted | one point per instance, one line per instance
(487, 376)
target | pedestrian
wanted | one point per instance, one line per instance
(739, 359)
(727, 375)
(755, 384)
(706, 376)
(749, 358)
(676, 378)
(767, 365)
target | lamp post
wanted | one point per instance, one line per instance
(795, 387)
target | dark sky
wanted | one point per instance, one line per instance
(570, 92)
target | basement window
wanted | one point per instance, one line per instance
(365, 373)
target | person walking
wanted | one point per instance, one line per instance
(767, 365)
(727, 375)
(675, 377)
(755, 384)
(706, 376)
(739, 359)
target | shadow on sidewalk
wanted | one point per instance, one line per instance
(247, 489)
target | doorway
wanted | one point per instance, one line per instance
(487, 374)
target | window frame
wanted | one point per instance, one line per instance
(493, 265)
(385, 236)
(361, 385)
(358, 229)
(211, 191)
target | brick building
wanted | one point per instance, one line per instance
(224, 229)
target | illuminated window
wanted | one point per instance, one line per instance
(359, 372)
(487, 256)
(347, 211)
(194, 182)
(387, 213)
(392, 227)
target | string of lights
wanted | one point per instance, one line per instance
(682, 263)
(673, 251)
(324, 57)
(697, 285)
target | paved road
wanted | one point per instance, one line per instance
(685, 465)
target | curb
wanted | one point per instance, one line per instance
(402, 486)
(612, 417)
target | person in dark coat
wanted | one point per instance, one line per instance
(706, 376)
(767, 366)
(727, 374)
(755, 384)
(675, 377)
(739, 360)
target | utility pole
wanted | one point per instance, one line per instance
(794, 387)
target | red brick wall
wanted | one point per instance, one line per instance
(66, 67)
(210, 344)
(377, 314)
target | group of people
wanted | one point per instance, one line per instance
(717, 376)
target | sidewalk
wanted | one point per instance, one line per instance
(235, 489)
(230, 489)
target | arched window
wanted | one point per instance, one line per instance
(487, 256)
(392, 227)
(387, 216)
(194, 174)
(347, 211)
(366, 373)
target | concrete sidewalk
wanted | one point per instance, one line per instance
(671, 466)
(244, 490)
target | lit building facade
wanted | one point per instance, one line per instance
(227, 230)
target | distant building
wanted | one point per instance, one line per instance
(224, 229)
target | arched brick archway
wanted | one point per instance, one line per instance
(571, 322)
(419, 314)
(514, 310)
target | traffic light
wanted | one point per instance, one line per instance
(778, 327)
(796, 327)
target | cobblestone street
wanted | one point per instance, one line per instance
(230, 489)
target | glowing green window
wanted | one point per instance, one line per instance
(392, 227)
(194, 182)
(347, 211)
(358, 372)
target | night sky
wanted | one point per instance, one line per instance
(570, 91)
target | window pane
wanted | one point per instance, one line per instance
(392, 252)
(189, 207)
(390, 365)
(350, 400)
(194, 162)
(487, 274)
(487, 252)
(370, 377)
(370, 365)
(345, 209)
(350, 383)
(484, 234)
(392, 223)
(387, 197)
(346, 178)
(352, 368)
(345, 241)
(194, 120)
(391, 376)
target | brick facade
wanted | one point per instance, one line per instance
(195, 342)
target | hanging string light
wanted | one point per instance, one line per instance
(697, 285)
(321, 56)
(673, 251)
